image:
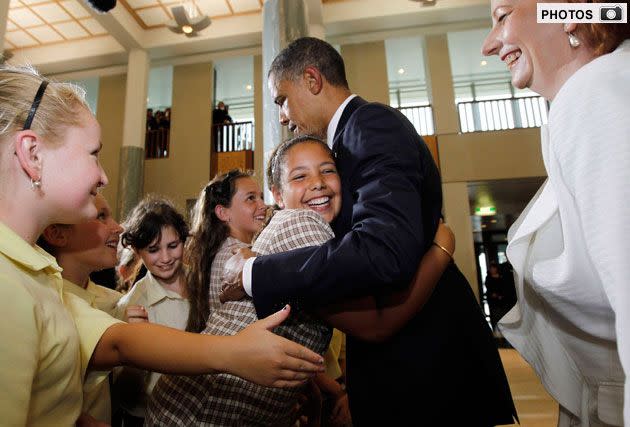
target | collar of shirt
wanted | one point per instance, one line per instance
(157, 292)
(32, 257)
(332, 126)
(77, 290)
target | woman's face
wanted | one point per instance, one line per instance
(93, 243)
(246, 213)
(310, 181)
(71, 173)
(163, 257)
(532, 52)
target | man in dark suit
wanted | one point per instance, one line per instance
(442, 368)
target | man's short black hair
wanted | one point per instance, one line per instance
(309, 52)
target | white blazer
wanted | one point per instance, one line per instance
(570, 248)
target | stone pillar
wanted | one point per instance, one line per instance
(283, 22)
(366, 70)
(259, 149)
(457, 216)
(440, 84)
(131, 176)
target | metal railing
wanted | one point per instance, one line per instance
(501, 114)
(156, 143)
(421, 116)
(233, 136)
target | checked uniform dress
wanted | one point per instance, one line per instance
(224, 399)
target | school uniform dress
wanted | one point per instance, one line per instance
(224, 399)
(164, 307)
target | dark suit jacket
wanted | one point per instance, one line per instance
(445, 357)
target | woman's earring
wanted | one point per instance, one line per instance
(36, 184)
(574, 41)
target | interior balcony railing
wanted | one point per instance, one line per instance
(421, 116)
(156, 143)
(502, 113)
(233, 136)
(232, 147)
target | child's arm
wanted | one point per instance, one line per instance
(255, 353)
(362, 318)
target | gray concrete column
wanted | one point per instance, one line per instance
(457, 216)
(283, 22)
(131, 173)
(259, 149)
(440, 84)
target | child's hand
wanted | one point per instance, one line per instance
(136, 314)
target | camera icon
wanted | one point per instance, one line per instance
(610, 13)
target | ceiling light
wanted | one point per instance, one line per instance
(248, 87)
(401, 71)
(186, 21)
(484, 63)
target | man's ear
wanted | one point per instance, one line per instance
(313, 79)
(57, 235)
(277, 196)
(28, 149)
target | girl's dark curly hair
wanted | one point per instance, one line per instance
(144, 223)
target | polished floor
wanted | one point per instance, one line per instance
(534, 405)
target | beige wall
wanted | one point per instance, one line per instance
(480, 156)
(366, 70)
(457, 216)
(187, 169)
(111, 116)
(440, 84)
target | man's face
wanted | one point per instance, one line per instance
(299, 108)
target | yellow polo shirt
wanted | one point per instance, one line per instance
(44, 349)
(96, 397)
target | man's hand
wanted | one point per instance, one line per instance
(232, 288)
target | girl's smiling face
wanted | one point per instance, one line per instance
(309, 180)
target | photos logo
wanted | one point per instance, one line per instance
(581, 13)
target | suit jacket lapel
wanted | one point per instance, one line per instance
(352, 106)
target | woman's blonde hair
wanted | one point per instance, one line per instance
(60, 105)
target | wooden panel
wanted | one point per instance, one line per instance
(232, 160)
(431, 141)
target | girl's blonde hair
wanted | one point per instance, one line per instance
(60, 105)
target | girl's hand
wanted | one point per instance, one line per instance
(260, 356)
(136, 314)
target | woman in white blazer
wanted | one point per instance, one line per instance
(570, 247)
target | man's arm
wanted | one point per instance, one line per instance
(363, 318)
(384, 158)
